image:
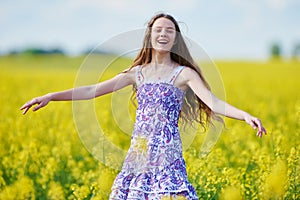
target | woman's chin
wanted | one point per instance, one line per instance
(161, 50)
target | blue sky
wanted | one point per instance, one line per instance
(226, 29)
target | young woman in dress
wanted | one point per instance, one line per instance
(168, 85)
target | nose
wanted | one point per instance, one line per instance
(163, 33)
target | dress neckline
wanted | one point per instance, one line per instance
(140, 79)
(161, 82)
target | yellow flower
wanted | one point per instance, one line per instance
(55, 191)
(276, 181)
(23, 188)
(230, 193)
(81, 192)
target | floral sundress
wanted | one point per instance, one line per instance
(154, 167)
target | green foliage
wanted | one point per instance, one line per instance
(37, 51)
(275, 50)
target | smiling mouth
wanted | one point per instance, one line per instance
(162, 42)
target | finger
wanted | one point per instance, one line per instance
(25, 106)
(264, 130)
(38, 107)
(260, 127)
(29, 103)
(25, 111)
(253, 125)
(259, 134)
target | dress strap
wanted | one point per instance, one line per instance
(138, 75)
(174, 74)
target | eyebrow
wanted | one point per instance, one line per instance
(169, 27)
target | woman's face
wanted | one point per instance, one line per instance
(163, 34)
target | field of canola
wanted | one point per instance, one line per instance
(42, 156)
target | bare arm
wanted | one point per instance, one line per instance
(84, 92)
(193, 80)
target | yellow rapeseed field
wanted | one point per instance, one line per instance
(43, 157)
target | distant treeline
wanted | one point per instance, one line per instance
(275, 51)
(36, 51)
(43, 51)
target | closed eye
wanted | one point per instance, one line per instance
(168, 29)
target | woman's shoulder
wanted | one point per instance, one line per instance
(132, 69)
(188, 70)
(131, 73)
(188, 73)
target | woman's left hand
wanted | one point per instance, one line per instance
(256, 124)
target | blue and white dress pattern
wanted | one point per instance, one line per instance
(154, 167)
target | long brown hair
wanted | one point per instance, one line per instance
(193, 108)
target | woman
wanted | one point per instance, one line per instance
(168, 85)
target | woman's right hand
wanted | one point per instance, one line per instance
(41, 101)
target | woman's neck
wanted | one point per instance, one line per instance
(161, 59)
